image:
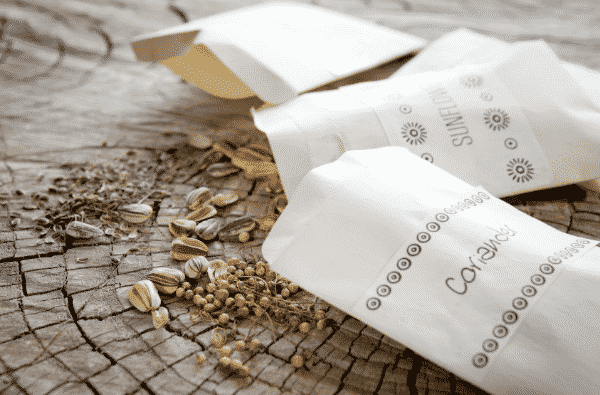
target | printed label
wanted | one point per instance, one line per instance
(469, 125)
(459, 289)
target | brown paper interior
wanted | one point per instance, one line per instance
(201, 67)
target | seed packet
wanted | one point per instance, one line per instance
(466, 46)
(273, 50)
(513, 121)
(462, 278)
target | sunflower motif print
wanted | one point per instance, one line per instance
(414, 133)
(520, 170)
(496, 119)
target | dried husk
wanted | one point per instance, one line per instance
(166, 279)
(205, 212)
(135, 213)
(199, 139)
(262, 148)
(224, 147)
(267, 223)
(81, 230)
(160, 317)
(144, 296)
(194, 267)
(217, 270)
(250, 154)
(209, 229)
(181, 227)
(224, 199)
(198, 198)
(222, 169)
(185, 248)
(231, 231)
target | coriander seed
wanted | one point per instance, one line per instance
(258, 311)
(210, 298)
(225, 361)
(297, 361)
(222, 294)
(209, 308)
(232, 288)
(189, 294)
(264, 301)
(321, 325)
(244, 237)
(304, 327)
(293, 288)
(240, 345)
(218, 339)
(224, 319)
(254, 344)
(233, 261)
(240, 302)
(179, 292)
(229, 302)
(218, 304)
(236, 364)
(242, 265)
(199, 300)
(199, 290)
(239, 273)
(211, 288)
(225, 351)
(250, 298)
(285, 292)
(319, 314)
(261, 271)
(244, 311)
(231, 269)
(249, 271)
(186, 285)
(200, 358)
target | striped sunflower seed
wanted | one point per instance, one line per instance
(144, 296)
(81, 230)
(232, 231)
(224, 199)
(198, 198)
(222, 169)
(166, 279)
(184, 248)
(209, 229)
(135, 213)
(181, 227)
(205, 212)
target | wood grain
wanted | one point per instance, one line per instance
(72, 92)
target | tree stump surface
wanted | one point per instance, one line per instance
(73, 93)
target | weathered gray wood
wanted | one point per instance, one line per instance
(73, 93)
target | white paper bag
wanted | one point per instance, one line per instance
(273, 50)
(513, 122)
(465, 46)
(462, 278)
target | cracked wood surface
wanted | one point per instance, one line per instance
(72, 92)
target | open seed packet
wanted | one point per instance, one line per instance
(465, 46)
(273, 50)
(513, 121)
(462, 278)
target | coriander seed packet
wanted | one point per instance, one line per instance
(460, 277)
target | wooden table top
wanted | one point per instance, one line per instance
(72, 93)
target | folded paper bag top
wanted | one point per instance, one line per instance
(273, 50)
(462, 278)
(515, 124)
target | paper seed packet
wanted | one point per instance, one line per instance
(273, 50)
(509, 117)
(459, 276)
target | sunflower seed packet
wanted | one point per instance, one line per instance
(461, 277)
(512, 121)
